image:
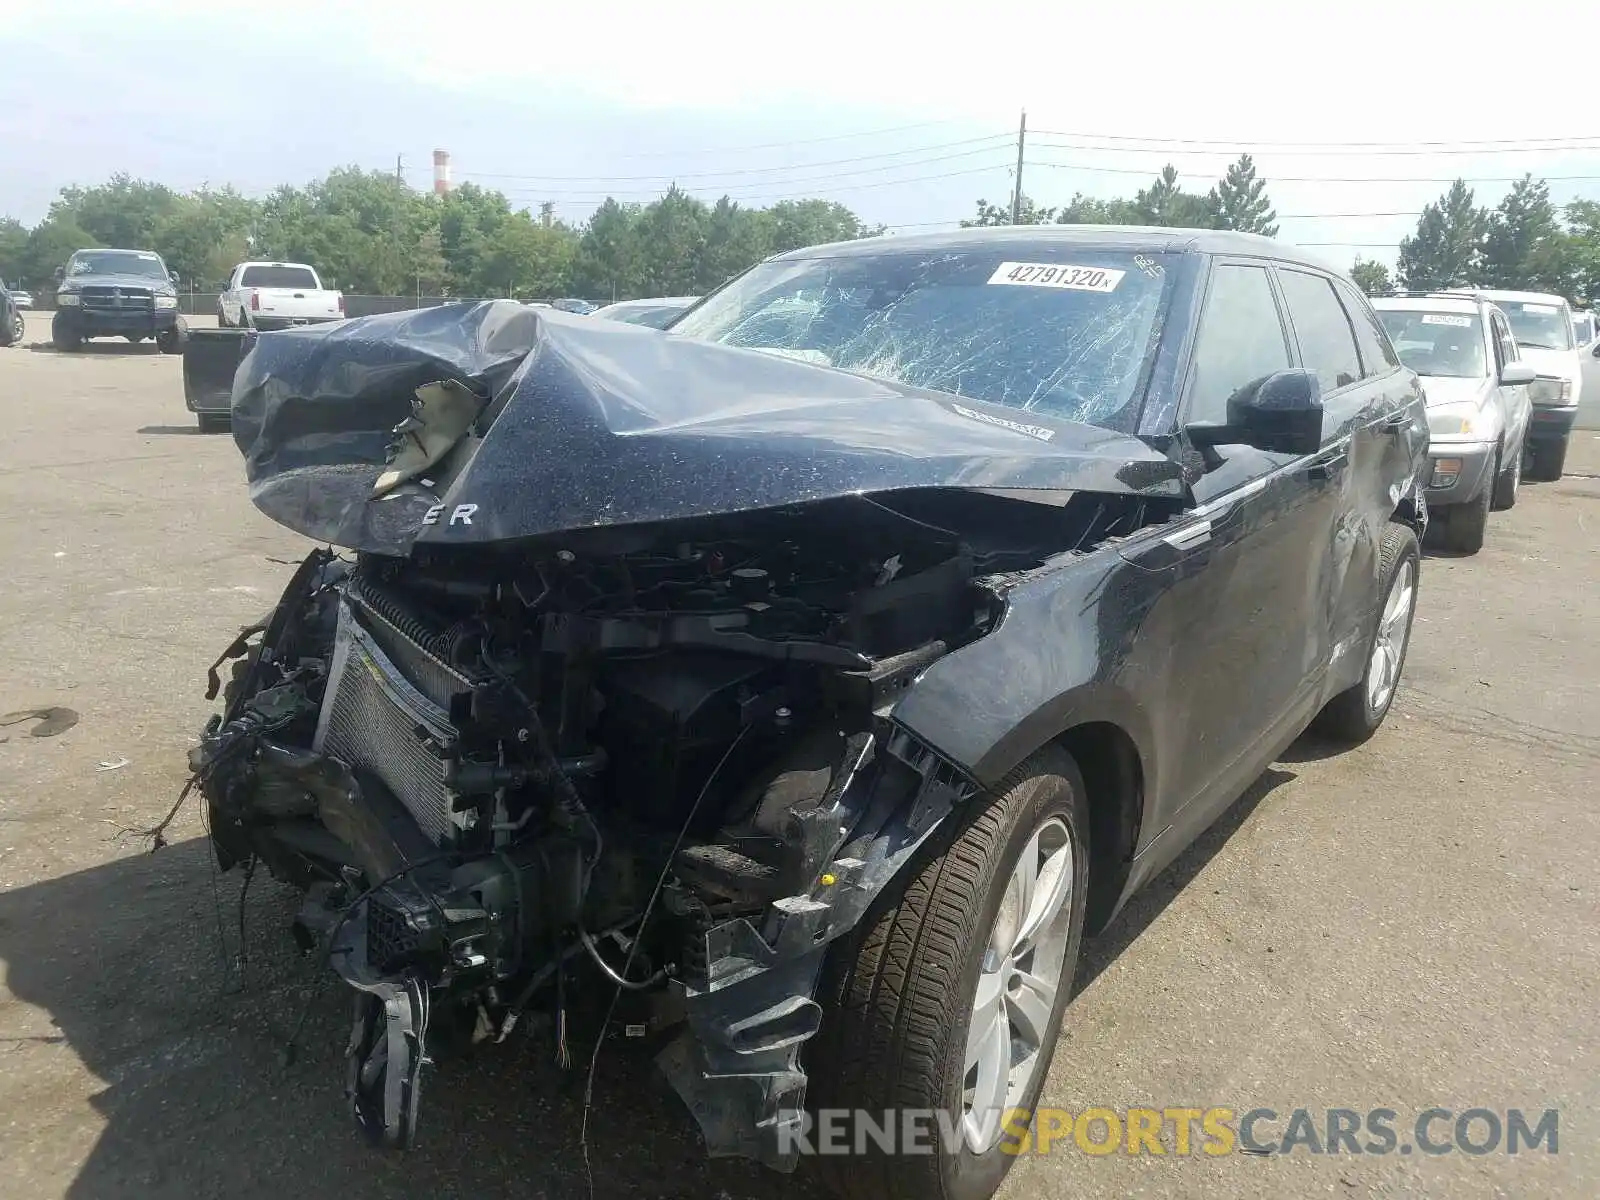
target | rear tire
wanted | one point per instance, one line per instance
(1549, 460)
(1508, 483)
(902, 996)
(64, 337)
(16, 330)
(1355, 714)
(222, 318)
(171, 341)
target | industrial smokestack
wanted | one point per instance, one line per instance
(441, 172)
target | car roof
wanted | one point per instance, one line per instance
(1456, 304)
(1156, 239)
(646, 301)
(1520, 297)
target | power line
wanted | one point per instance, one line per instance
(1591, 148)
(1060, 166)
(670, 176)
(1243, 143)
(837, 137)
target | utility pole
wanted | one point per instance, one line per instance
(1016, 196)
(399, 169)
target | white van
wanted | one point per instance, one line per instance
(1542, 325)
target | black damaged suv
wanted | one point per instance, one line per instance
(811, 677)
(117, 293)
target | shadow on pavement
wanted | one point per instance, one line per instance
(174, 430)
(1100, 952)
(102, 349)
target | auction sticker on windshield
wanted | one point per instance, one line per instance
(1057, 275)
(1446, 319)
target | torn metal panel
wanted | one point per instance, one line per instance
(594, 423)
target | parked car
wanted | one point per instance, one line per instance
(122, 293)
(1542, 325)
(573, 305)
(20, 297)
(656, 313)
(276, 295)
(12, 328)
(1479, 412)
(842, 700)
(1585, 329)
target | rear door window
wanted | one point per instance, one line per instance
(1327, 339)
(1241, 340)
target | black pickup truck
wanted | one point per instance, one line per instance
(117, 293)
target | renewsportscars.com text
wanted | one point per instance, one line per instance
(1184, 1131)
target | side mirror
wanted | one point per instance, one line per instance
(1280, 413)
(1596, 350)
(61, 273)
(173, 275)
(1515, 373)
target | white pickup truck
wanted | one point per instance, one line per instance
(276, 295)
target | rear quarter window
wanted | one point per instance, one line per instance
(1378, 355)
(1327, 339)
(279, 277)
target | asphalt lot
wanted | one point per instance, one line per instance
(1415, 923)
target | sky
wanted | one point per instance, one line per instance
(1357, 114)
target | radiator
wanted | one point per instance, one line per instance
(371, 714)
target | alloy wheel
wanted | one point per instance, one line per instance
(1019, 985)
(1394, 628)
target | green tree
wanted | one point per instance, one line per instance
(206, 235)
(1165, 203)
(795, 224)
(1087, 210)
(1582, 244)
(672, 239)
(1239, 201)
(527, 259)
(608, 266)
(1029, 213)
(50, 244)
(469, 220)
(1523, 239)
(124, 212)
(736, 239)
(429, 265)
(1447, 248)
(1372, 277)
(13, 249)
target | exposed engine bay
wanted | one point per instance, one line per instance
(661, 753)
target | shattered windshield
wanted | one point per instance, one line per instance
(117, 262)
(1060, 330)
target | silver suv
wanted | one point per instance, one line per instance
(1476, 384)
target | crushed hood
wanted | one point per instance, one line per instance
(585, 423)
